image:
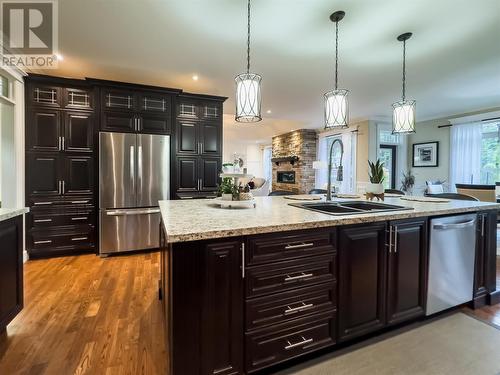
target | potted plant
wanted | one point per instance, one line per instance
(407, 182)
(376, 175)
(227, 189)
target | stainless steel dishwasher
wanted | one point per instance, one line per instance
(451, 262)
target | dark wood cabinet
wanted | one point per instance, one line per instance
(153, 123)
(60, 139)
(199, 138)
(115, 121)
(78, 132)
(45, 130)
(78, 175)
(222, 309)
(485, 260)
(407, 271)
(43, 174)
(209, 173)
(187, 174)
(210, 138)
(210, 285)
(187, 137)
(11, 269)
(362, 279)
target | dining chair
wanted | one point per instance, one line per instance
(485, 193)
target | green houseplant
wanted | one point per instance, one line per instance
(377, 177)
(227, 189)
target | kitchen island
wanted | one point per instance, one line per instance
(11, 264)
(246, 289)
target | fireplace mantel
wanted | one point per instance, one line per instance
(290, 159)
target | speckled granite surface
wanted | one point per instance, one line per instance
(7, 213)
(191, 220)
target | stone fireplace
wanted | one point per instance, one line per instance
(293, 156)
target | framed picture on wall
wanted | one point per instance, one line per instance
(426, 154)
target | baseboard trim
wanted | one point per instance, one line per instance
(479, 302)
(494, 298)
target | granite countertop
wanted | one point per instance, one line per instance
(7, 213)
(191, 220)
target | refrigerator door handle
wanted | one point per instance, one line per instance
(132, 166)
(139, 168)
(132, 212)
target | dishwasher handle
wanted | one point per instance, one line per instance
(455, 225)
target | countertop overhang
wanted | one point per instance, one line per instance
(194, 220)
(8, 213)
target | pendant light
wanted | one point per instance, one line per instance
(336, 104)
(403, 115)
(248, 98)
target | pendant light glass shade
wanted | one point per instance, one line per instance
(403, 112)
(336, 102)
(248, 98)
(336, 109)
(403, 117)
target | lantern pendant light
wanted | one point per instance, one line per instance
(403, 115)
(336, 103)
(248, 97)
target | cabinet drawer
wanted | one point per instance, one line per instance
(280, 246)
(288, 275)
(79, 201)
(58, 241)
(279, 343)
(297, 303)
(69, 217)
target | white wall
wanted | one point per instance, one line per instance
(251, 154)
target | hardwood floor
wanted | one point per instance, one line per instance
(490, 314)
(87, 315)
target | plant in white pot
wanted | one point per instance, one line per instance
(227, 189)
(376, 175)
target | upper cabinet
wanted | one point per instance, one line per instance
(201, 109)
(45, 95)
(135, 111)
(78, 99)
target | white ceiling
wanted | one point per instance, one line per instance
(453, 58)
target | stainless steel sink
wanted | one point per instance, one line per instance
(349, 207)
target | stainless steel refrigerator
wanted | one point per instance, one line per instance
(134, 174)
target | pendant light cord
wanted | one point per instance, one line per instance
(336, 52)
(248, 40)
(404, 70)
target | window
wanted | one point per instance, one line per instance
(490, 153)
(348, 185)
(267, 166)
(387, 155)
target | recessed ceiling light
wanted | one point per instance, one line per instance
(59, 57)
(195, 77)
(269, 111)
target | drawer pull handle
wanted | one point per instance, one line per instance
(303, 342)
(298, 277)
(298, 246)
(43, 220)
(79, 239)
(42, 242)
(79, 202)
(42, 203)
(304, 306)
(79, 218)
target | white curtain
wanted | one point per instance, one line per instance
(348, 162)
(465, 154)
(267, 167)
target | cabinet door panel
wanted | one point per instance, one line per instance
(78, 98)
(78, 174)
(78, 132)
(154, 124)
(187, 137)
(407, 273)
(44, 130)
(362, 280)
(211, 111)
(11, 269)
(155, 103)
(118, 100)
(45, 95)
(209, 173)
(222, 331)
(210, 138)
(187, 174)
(118, 121)
(43, 173)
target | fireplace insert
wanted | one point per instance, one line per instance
(286, 177)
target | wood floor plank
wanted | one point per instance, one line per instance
(88, 315)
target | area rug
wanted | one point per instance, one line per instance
(455, 344)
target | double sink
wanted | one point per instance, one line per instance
(349, 207)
